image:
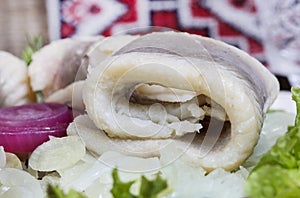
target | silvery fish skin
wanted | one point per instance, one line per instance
(58, 64)
(91, 53)
(238, 91)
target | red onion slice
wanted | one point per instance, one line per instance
(28, 129)
(23, 128)
(36, 114)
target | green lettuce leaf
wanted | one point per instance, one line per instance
(56, 192)
(148, 188)
(277, 175)
(121, 189)
(296, 98)
(34, 44)
(274, 181)
(285, 153)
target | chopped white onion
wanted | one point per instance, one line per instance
(57, 153)
(16, 183)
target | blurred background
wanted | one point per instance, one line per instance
(242, 23)
(19, 20)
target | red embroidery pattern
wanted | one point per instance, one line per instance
(183, 15)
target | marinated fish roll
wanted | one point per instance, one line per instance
(214, 92)
(104, 48)
(71, 95)
(14, 81)
(81, 62)
(57, 64)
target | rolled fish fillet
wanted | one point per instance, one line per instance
(104, 48)
(57, 64)
(14, 81)
(97, 52)
(215, 93)
(71, 95)
(108, 46)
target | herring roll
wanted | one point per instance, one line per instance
(58, 64)
(169, 85)
(14, 81)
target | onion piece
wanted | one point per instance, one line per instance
(23, 128)
(51, 155)
(17, 183)
(35, 114)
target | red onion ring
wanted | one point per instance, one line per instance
(23, 128)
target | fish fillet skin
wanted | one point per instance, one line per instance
(98, 47)
(70, 95)
(104, 48)
(14, 81)
(97, 142)
(58, 64)
(235, 81)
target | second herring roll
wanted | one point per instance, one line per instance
(168, 84)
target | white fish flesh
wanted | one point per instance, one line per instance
(97, 52)
(14, 81)
(58, 64)
(232, 89)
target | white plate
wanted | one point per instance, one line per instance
(285, 102)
